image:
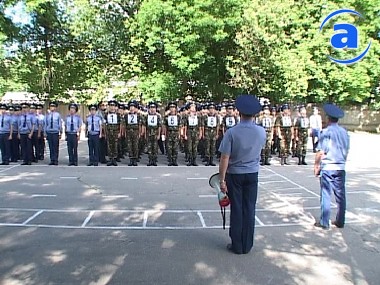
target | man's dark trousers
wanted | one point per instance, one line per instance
(242, 192)
(53, 140)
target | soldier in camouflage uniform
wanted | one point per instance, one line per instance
(267, 122)
(285, 133)
(172, 125)
(193, 132)
(301, 128)
(296, 114)
(151, 129)
(210, 133)
(275, 141)
(229, 120)
(122, 142)
(113, 129)
(133, 132)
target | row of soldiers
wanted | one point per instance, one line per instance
(121, 129)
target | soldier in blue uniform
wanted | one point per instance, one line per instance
(40, 136)
(94, 134)
(53, 132)
(330, 161)
(6, 129)
(238, 172)
(15, 142)
(33, 108)
(73, 125)
(26, 125)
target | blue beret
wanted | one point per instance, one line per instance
(333, 111)
(248, 105)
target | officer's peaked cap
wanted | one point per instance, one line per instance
(248, 105)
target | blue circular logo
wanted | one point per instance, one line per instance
(349, 39)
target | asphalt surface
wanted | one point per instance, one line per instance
(162, 225)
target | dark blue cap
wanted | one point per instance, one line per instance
(92, 106)
(285, 107)
(113, 102)
(333, 111)
(73, 105)
(248, 105)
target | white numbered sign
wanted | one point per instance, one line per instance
(172, 121)
(267, 123)
(112, 119)
(193, 121)
(132, 119)
(230, 122)
(211, 122)
(304, 123)
(152, 120)
(286, 121)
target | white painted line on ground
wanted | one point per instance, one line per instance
(197, 178)
(9, 168)
(290, 194)
(33, 217)
(285, 189)
(208, 196)
(85, 222)
(259, 221)
(145, 219)
(43, 195)
(294, 183)
(128, 178)
(68, 177)
(202, 219)
(358, 192)
(115, 196)
(275, 181)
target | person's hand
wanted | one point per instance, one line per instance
(185, 137)
(30, 136)
(317, 170)
(223, 187)
(10, 137)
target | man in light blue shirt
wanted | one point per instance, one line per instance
(94, 133)
(53, 132)
(73, 125)
(330, 161)
(6, 129)
(238, 171)
(26, 125)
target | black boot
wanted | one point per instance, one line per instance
(303, 160)
(154, 162)
(114, 162)
(135, 162)
(110, 162)
(299, 160)
(208, 161)
(170, 161)
(150, 163)
(130, 162)
(266, 161)
(212, 161)
(174, 163)
(286, 161)
(195, 161)
(262, 161)
(190, 163)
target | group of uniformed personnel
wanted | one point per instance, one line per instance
(114, 130)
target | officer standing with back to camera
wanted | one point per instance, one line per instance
(53, 132)
(73, 126)
(94, 125)
(330, 161)
(238, 172)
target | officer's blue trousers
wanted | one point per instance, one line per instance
(26, 148)
(53, 140)
(15, 148)
(333, 181)
(93, 148)
(72, 147)
(242, 191)
(5, 147)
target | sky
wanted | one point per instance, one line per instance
(18, 14)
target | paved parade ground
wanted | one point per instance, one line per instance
(162, 225)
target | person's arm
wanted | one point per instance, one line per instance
(223, 165)
(317, 163)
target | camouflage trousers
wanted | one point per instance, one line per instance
(133, 143)
(112, 141)
(172, 143)
(286, 135)
(210, 142)
(152, 145)
(303, 136)
(265, 152)
(192, 142)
